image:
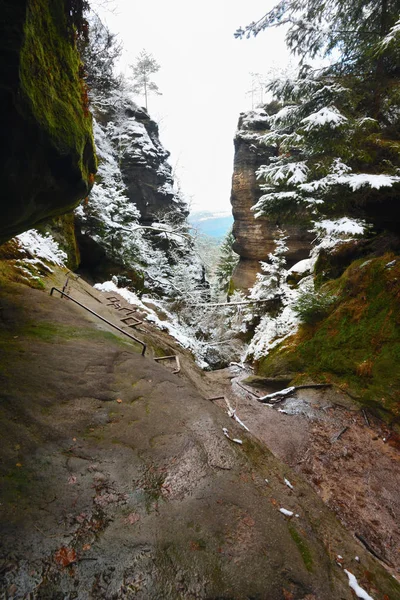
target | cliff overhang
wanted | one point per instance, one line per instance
(47, 156)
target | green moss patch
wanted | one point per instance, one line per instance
(49, 71)
(356, 346)
(55, 333)
(302, 547)
(62, 229)
(48, 157)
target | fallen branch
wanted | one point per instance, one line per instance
(338, 435)
(226, 434)
(243, 303)
(277, 396)
(178, 365)
(283, 394)
(233, 415)
(45, 534)
(350, 394)
(231, 411)
(313, 385)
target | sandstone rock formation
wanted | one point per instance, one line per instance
(47, 154)
(145, 170)
(134, 184)
(255, 237)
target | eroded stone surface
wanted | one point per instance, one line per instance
(254, 238)
(118, 482)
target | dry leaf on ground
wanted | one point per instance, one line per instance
(65, 556)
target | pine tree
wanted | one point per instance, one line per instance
(337, 135)
(228, 260)
(100, 52)
(143, 68)
(270, 282)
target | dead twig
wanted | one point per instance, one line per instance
(276, 397)
(231, 411)
(350, 394)
(71, 452)
(45, 534)
(178, 365)
(338, 435)
(364, 412)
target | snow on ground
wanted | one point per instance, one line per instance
(287, 513)
(258, 115)
(176, 330)
(130, 297)
(303, 266)
(353, 583)
(41, 246)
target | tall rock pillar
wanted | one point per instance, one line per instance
(254, 238)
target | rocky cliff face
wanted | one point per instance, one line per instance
(134, 189)
(145, 171)
(254, 238)
(47, 154)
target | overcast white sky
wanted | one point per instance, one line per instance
(204, 77)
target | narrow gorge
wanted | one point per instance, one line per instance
(181, 421)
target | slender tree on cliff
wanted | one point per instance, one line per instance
(228, 260)
(144, 66)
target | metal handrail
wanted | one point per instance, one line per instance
(132, 337)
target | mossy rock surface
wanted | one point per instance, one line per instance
(62, 229)
(110, 460)
(358, 344)
(47, 156)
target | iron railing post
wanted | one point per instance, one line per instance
(132, 337)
